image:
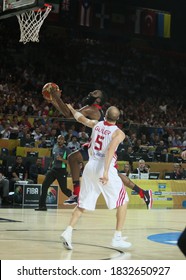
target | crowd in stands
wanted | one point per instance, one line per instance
(147, 86)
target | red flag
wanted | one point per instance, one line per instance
(148, 22)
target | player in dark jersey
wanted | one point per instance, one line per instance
(92, 110)
(182, 239)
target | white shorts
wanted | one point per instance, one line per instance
(114, 191)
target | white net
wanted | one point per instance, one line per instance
(30, 23)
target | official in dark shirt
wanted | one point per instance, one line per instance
(58, 171)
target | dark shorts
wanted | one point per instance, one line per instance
(84, 153)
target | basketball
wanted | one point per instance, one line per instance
(46, 90)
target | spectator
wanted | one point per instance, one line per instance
(133, 138)
(165, 156)
(19, 172)
(69, 135)
(177, 141)
(36, 169)
(155, 139)
(25, 121)
(37, 134)
(163, 107)
(126, 155)
(27, 141)
(177, 172)
(158, 150)
(126, 169)
(83, 137)
(74, 131)
(5, 133)
(44, 142)
(52, 136)
(30, 108)
(23, 131)
(84, 134)
(137, 146)
(123, 146)
(4, 187)
(144, 141)
(141, 168)
(63, 130)
(147, 167)
(73, 145)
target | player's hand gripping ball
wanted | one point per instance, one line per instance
(49, 89)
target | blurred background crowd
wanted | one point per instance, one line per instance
(147, 86)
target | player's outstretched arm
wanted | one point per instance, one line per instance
(81, 118)
(60, 105)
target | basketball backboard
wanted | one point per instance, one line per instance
(9, 8)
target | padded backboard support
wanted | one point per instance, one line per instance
(9, 8)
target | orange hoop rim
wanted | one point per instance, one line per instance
(44, 8)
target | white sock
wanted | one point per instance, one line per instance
(69, 228)
(117, 234)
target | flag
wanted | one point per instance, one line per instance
(148, 22)
(167, 25)
(117, 21)
(102, 17)
(54, 14)
(120, 18)
(65, 5)
(122, 22)
(164, 24)
(85, 13)
(137, 28)
(145, 22)
(65, 13)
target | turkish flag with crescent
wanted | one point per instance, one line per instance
(148, 22)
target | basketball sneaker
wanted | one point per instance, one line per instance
(71, 200)
(119, 242)
(148, 198)
(66, 238)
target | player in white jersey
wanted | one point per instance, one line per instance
(101, 138)
(100, 175)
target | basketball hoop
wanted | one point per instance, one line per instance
(30, 23)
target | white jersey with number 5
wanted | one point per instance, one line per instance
(114, 191)
(101, 137)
